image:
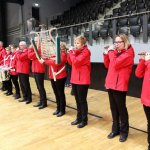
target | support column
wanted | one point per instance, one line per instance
(3, 32)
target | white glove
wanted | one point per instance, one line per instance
(41, 61)
(71, 48)
(108, 48)
(111, 47)
(105, 51)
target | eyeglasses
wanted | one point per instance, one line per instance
(118, 42)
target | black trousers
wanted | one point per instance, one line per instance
(39, 79)
(8, 85)
(4, 85)
(147, 113)
(58, 88)
(119, 112)
(14, 79)
(80, 92)
(25, 86)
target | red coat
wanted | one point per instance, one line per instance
(119, 69)
(37, 67)
(13, 64)
(2, 54)
(6, 60)
(23, 62)
(143, 71)
(81, 67)
(57, 67)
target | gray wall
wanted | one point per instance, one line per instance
(48, 10)
(13, 15)
(13, 21)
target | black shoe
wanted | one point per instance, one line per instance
(6, 93)
(60, 114)
(75, 122)
(42, 106)
(122, 138)
(82, 124)
(4, 89)
(23, 100)
(9, 93)
(37, 105)
(17, 96)
(28, 102)
(112, 135)
(56, 112)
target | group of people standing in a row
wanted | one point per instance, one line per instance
(78, 58)
(118, 58)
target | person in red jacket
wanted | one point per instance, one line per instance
(2, 54)
(57, 74)
(119, 61)
(23, 70)
(79, 59)
(12, 72)
(38, 70)
(5, 63)
(143, 71)
(2, 51)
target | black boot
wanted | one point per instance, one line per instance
(77, 121)
(43, 105)
(60, 114)
(9, 93)
(17, 96)
(38, 104)
(82, 124)
(28, 101)
(56, 112)
(6, 92)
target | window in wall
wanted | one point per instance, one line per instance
(36, 13)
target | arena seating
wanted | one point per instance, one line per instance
(90, 10)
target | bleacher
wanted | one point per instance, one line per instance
(100, 19)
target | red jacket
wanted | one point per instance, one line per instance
(37, 67)
(81, 68)
(2, 54)
(13, 64)
(6, 60)
(143, 71)
(23, 62)
(57, 67)
(119, 68)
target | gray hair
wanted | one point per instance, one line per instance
(1, 43)
(23, 43)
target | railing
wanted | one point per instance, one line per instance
(114, 26)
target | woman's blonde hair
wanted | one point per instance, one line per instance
(81, 38)
(8, 48)
(64, 45)
(13, 46)
(125, 39)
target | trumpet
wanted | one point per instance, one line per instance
(144, 53)
(106, 47)
(110, 47)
